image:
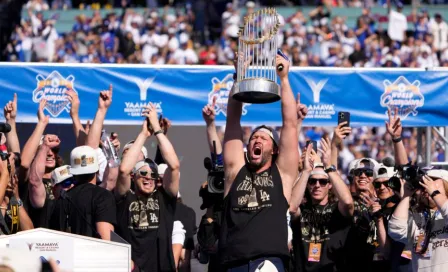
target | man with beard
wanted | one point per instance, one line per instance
(424, 226)
(321, 225)
(258, 187)
(146, 215)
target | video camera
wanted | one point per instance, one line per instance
(413, 174)
(215, 177)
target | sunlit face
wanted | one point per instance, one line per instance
(260, 149)
(383, 192)
(363, 179)
(144, 183)
(318, 188)
(50, 161)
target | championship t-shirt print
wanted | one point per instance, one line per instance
(144, 213)
(254, 192)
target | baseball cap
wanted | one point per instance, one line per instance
(366, 163)
(60, 174)
(162, 168)
(129, 144)
(83, 160)
(351, 167)
(14, 259)
(148, 162)
(438, 173)
(272, 133)
(382, 171)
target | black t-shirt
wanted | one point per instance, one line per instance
(254, 218)
(361, 241)
(187, 216)
(40, 216)
(324, 225)
(84, 202)
(140, 221)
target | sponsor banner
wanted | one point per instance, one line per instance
(180, 92)
(60, 250)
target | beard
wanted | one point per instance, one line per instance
(264, 160)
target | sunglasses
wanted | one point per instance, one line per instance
(367, 172)
(377, 185)
(147, 174)
(313, 181)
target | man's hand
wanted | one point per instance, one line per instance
(10, 109)
(340, 132)
(209, 113)
(115, 141)
(308, 161)
(283, 74)
(52, 141)
(375, 207)
(74, 100)
(41, 117)
(302, 110)
(165, 125)
(105, 99)
(394, 127)
(367, 198)
(429, 185)
(326, 152)
(150, 112)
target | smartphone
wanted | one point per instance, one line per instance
(314, 143)
(344, 116)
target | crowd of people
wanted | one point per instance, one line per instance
(192, 36)
(276, 205)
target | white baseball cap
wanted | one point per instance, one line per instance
(83, 160)
(129, 144)
(366, 163)
(382, 171)
(162, 168)
(60, 174)
(438, 173)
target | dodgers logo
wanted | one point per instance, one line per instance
(53, 88)
(221, 89)
(403, 95)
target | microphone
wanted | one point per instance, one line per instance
(208, 164)
(64, 195)
(5, 128)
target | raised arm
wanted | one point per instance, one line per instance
(172, 174)
(30, 148)
(209, 115)
(398, 223)
(104, 102)
(302, 111)
(432, 185)
(10, 112)
(129, 161)
(78, 129)
(288, 157)
(233, 141)
(36, 187)
(394, 128)
(298, 191)
(340, 189)
(24, 220)
(4, 179)
(340, 132)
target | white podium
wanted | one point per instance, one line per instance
(72, 252)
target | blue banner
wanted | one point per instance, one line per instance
(180, 92)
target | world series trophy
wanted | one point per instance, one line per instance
(256, 81)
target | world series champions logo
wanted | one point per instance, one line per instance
(221, 89)
(403, 95)
(53, 89)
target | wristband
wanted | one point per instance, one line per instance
(396, 140)
(436, 192)
(158, 132)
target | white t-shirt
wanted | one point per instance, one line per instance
(398, 24)
(440, 33)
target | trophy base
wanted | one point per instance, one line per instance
(257, 91)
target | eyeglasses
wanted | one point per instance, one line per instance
(359, 172)
(377, 185)
(313, 181)
(147, 174)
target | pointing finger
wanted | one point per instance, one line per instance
(15, 98)
(298, 98)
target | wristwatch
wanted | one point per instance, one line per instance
(158, 132)
(330, 169)
(436, 192)
(19, 202)
(396, 140)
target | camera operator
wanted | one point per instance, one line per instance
(210, 224)
(320, 226)
(258, 186)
